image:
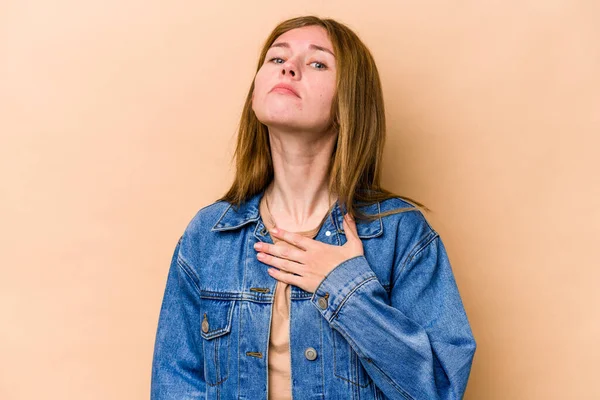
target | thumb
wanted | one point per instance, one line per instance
(350, 227)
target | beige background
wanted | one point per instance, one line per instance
(118, 121)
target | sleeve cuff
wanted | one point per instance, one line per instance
(339, 284)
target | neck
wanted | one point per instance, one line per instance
(299, 195)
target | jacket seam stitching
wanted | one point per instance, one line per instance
(416, 250)
(185, 268)
(362, 355)
(394, 384)
(354, 289)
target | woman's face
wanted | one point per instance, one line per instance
(302, 60)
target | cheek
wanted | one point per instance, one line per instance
(261, 84)
(326, 94)
(258, 89)
(325, 100)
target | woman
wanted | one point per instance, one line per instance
(274, 290)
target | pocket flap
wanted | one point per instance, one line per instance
(215, 317)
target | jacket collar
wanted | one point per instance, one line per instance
(248, 212)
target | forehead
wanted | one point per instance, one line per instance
(305, 36)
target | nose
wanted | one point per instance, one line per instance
(289, 68)
(289, 71)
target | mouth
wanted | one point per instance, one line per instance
(284, 90)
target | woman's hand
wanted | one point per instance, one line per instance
(304, 262)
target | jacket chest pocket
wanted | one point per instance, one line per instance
(346, 363)
(216, 319)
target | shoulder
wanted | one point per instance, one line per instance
(205, 217)
(409, 229)
(195, 237)
(409, 219)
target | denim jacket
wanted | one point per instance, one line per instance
(389, 324)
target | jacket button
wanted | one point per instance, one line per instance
(322, 302)
(205, 325)
(310, 353)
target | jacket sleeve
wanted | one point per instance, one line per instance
(178, 366)
(414, 342)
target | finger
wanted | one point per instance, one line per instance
(282, 249)
(350, 226)
(284, 277)
(292, 238)
(281, 263)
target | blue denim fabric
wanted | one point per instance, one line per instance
(389, 324)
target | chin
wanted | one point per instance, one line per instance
(285, 124)
(280, 119)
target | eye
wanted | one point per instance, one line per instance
(276, 58)
(322, 66)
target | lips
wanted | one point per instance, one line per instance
(285, 89)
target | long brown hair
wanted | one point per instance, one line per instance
(358, 116)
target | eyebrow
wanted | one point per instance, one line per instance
(312, 47)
